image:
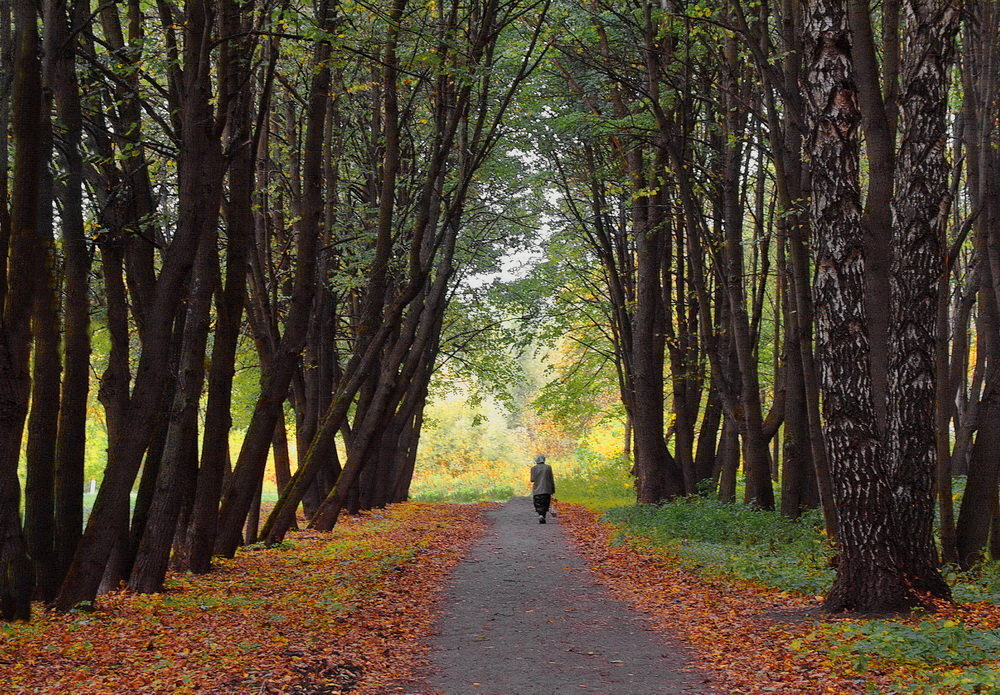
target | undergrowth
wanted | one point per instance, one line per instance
(495, 493)
(920, 657)
(734, 540)
(916, 655)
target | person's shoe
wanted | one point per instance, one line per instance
(541, 519)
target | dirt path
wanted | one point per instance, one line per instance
(524, 616)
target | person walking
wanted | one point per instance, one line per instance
(543, 486)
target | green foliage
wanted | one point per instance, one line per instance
(600, 485)
(979, 584)
(917, 647)
(734, 540)
(468, 452)
(929, 642)
(761, 546)
(441, 490)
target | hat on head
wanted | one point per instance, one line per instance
(540, 458)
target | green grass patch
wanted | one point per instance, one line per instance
(740, 541)
(496, 493)
(597, 484)
(594, 491)
(979, 584)
(930, 656)
(733, 540)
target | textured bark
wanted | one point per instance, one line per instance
(920, 214)
(877, 218)
(785, 132)
(867, 572)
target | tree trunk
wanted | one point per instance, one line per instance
(111, 507)
(229, 303)
(71, 442)
(23, 257)
(252, 459)
(43, 418)
(868, 577)
(177, 474)
(921, 205)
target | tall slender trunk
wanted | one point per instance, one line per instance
(72, 437)
(23, 257)
(921, 206)
(39, 508)
(111, 506)
(235, 64)
(177, 474)
(249, 469)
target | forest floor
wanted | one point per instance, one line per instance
(459, 598)
(320, 614)
(742, 635)
(752, 638)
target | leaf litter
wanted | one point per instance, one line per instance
(323, 613)
(753, 639)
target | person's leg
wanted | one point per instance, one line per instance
(546, 501)
(537, 501)
(541, 503)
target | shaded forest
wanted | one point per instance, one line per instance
(763, 237)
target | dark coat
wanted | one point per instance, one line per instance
(541, 480)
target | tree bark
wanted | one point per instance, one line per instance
(921, 205)
(23, 257)
(868, 576)
(111, 507)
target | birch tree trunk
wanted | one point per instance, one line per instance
(920, 209)
(867, 571)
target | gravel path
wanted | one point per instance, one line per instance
(523, 615)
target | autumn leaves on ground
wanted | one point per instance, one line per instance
(322, 613)
(351, 611)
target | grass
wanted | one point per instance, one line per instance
(474, 485)
(599, 490)
(733, 540)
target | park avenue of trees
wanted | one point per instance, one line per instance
(773, 225)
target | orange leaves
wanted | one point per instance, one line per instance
(740, 633)
(324, 612)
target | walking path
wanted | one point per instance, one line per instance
(524, 616)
